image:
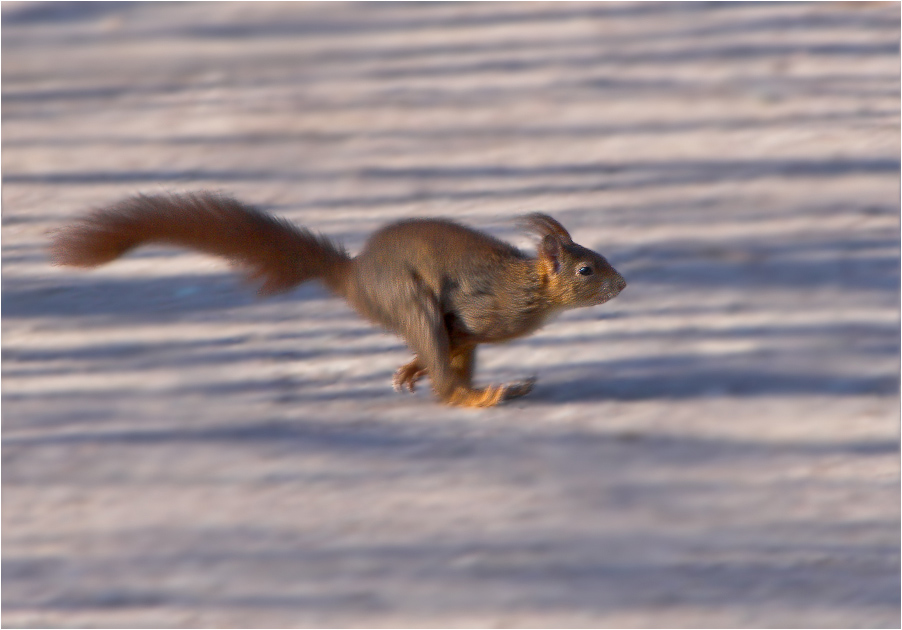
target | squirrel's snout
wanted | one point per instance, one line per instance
(611, 289)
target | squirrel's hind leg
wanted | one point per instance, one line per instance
(462, 359)
(463, 363)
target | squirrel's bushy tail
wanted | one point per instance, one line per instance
(274, 252)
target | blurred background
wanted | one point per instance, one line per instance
(716, 447)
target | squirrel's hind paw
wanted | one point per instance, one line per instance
(492, 395)
(518, 389)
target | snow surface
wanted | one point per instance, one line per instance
(717, 447)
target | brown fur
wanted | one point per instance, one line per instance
(444, 288)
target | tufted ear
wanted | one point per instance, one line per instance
(543, 225)
(553, 238)
(550, 250)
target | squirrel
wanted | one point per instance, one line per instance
(443, 287)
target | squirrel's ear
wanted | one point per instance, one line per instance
(544, 226)
(550, 251)
(553, 238)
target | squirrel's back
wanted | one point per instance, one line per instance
(440, 246)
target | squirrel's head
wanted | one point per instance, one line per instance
(576, 276)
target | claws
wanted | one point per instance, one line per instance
(518, 389)
(407, 377)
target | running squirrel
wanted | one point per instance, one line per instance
(443, 287)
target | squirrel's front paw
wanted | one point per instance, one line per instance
(407, 376)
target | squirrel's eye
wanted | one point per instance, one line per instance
(585, 271)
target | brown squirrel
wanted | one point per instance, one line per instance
(444, 288)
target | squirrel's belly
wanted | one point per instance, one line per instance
(502, 327)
